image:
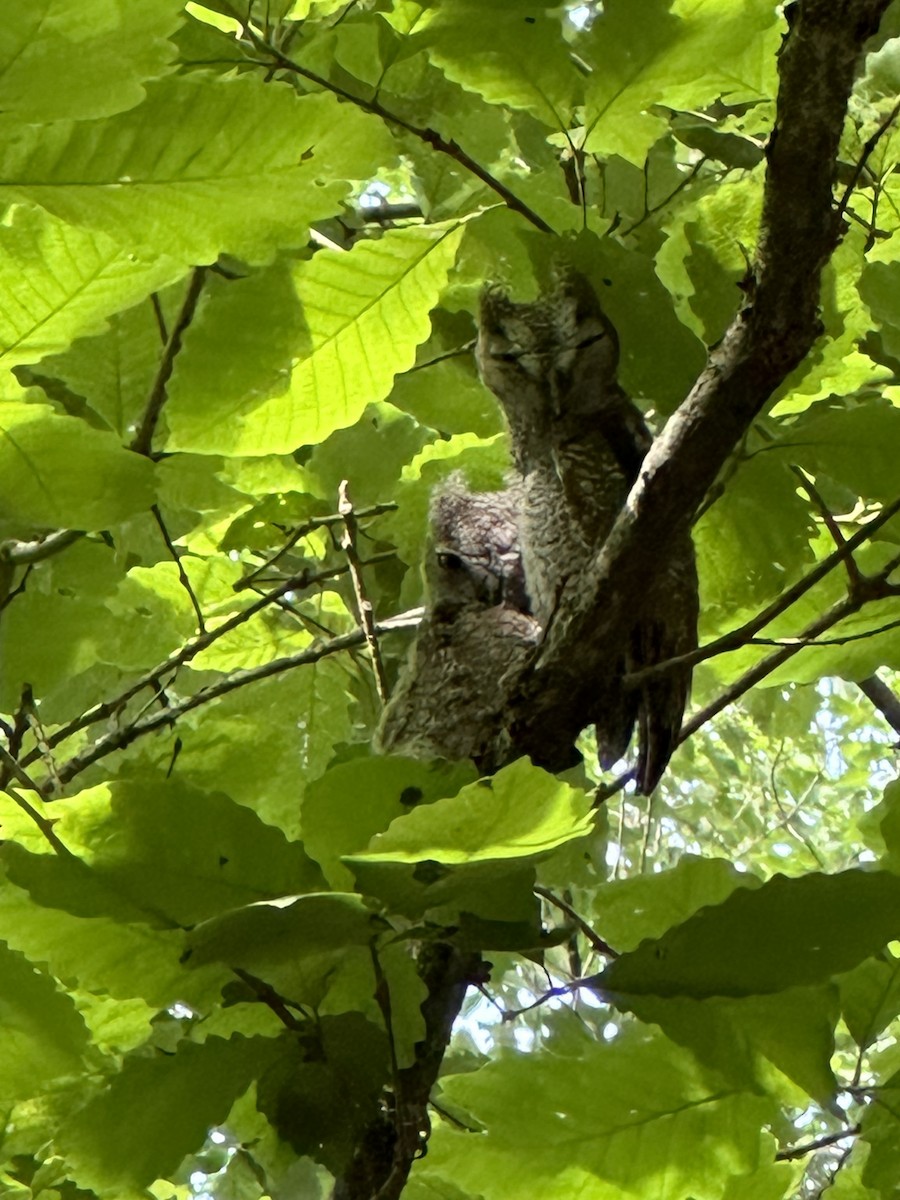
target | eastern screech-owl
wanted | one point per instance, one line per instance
(579, 441)
(475, 630)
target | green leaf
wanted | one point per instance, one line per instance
(630, 910)
(633, 1117)
(238, 350)
(204, 165)
(870, 998)
(507, 55)
(364, 312)
(41, 1034)
(881, 1129)
(887, 817)
(82, 58)
(520, 813)
(272, 932)
(113, 371)
(159, 1109)
(175, 850)
(752, 541)
(58, 283)
(855, 446)
(321, 1107)
(353, 801)
(793, 1030)
(267, 741)
(58, 471)
(475, 851)
(448, 396)
(100, 953)
(767, 939)
(682, 55)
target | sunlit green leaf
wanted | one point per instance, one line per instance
(363, 314)
(57, 471)
(59, 282)
(203, 166)
(82, 58)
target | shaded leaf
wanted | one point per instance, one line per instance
(58, 471)
(787, 933)
(42, 1034)
(159, 1109)
(632, 1117)
(173, 849)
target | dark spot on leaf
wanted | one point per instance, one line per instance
(410, 796)
(306, 155)
(530, 20)
(429, 872)
(486, 783)
(222, 860)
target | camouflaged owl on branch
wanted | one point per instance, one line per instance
(578, 442)
(476, 630)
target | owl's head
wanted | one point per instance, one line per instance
(555, 355)
(475, 560)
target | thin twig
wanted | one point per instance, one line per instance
(18, 589)
(801, 642)
(563, 905)
(837, 534)
(43, 823)
(20, 553)
(737, 638)
(764, 667)
(182, 574)
(829, 1139)
(682, 184)
(554, 993)
(160, 317)
(267, 994)
(868, 146)
(28, 711)
(142, 442)
(119, 739)
(364, 610)
(430, 136)
(302, 531)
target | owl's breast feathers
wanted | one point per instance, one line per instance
(579, 442)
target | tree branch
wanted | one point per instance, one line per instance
(142, 442)
(118, 739)
(389, 1145)
(884, 699)
(429, 136)
(799, 230)
(195, 646)
(364, 610)
(744, 634)
(179, 565)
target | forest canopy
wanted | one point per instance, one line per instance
(244, 955)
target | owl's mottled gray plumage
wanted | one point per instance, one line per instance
(474, 633)
(578, 441)
(475, 537)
